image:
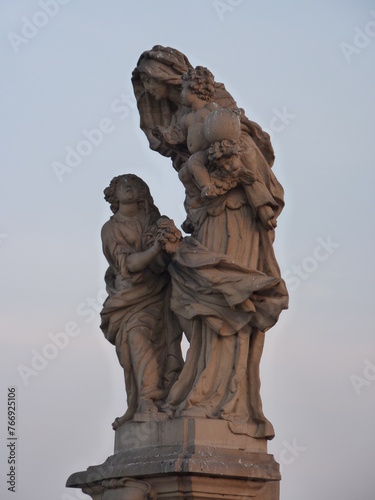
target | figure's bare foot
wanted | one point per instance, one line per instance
(146, 408)
(247, 306)
(167, 409)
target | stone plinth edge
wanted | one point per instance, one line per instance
(172, 461)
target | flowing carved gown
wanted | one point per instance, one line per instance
(138, 301)
(227, 291)
(220, 378)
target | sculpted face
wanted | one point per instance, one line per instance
(233, 164)
(157, 89)
(127, 191)
(188, 97)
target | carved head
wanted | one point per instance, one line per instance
(144, 198)
(159, 71)
(156, 88)
(201, 82)
(163, 64)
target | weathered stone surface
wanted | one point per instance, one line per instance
(136, 316)
(186, 431)
(226, 289)
(202, 488)
(194, 428)
(186, 457)
(186, 487)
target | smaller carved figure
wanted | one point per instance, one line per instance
(206, 129)
(212, 136)
(135, 316)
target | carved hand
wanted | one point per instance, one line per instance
(208, 192)
(158, 132)
(267, 217)
(140, 260)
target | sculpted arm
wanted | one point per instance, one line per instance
(119, 257)
(258, 192)
(110, 245)
(173, 134)
(140, 260)
(263, 203)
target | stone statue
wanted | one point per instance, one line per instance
(136, 317)
(212, 136)
(193, 429)
(232, 202)
(222, 283)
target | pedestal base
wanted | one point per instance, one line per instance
(182, 458)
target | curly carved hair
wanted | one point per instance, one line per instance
(145, 201)
(201, 82)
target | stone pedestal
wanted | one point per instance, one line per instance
(183, 458)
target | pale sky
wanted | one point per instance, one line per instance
(305, 72)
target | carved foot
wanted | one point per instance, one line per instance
(150, 417)
(167, 410)
(193, 412)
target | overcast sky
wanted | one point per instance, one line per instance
(305, 72)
